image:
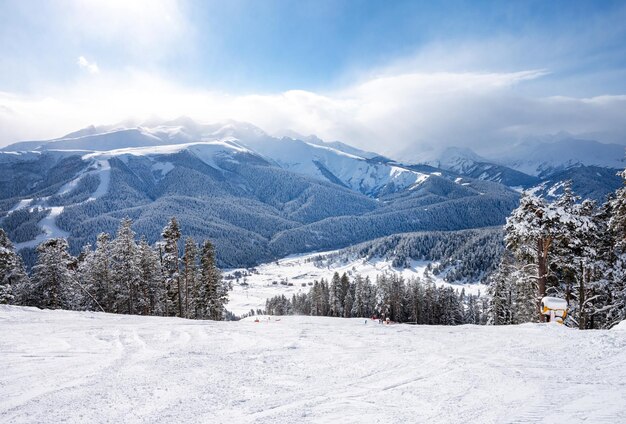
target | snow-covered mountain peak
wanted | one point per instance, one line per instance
(542, 158)
(335, 162)
(457, 159)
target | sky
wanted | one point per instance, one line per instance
(403, 78)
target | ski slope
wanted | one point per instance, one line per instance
(61, 366)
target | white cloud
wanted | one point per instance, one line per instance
(405, 115)
(144, 27)
(91, 67)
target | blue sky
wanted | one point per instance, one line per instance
(494, 72)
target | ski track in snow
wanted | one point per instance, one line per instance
(61, 366)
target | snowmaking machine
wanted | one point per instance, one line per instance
(554, 309)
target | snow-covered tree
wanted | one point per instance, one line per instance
(616, 302)
(151, 288)
(531, 231)
(415, 301)
(95, 274)
(12, 273)
(53, 283)
(502, 291)
(358, 304)
(213, 290)
(190, 278)
(334, 296)
(125, 269)
(173, 302)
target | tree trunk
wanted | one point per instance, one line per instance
(581, 300)
(542, 271)
(180, 299)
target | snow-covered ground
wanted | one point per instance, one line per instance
(60, 366)
(300, 270)
(49, 226)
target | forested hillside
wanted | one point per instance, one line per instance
(254, 207)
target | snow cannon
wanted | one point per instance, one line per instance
(554, 308)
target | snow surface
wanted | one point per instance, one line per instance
(103, 169)
(554, 303)
(313, 158)
(561, 151)
(208, 148)
(24, 203)
(61, 366)
(49, 227)
(48, 224)
(302, 269)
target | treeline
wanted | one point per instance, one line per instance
(119, 275)
(416, 301)
(571, 249)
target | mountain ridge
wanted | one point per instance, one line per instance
(257, 196)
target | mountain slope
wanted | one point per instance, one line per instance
(258, 197)
(591, 166)
(542, 158)
(334, 162)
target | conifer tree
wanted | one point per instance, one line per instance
(501, 293)
(190, 273)
(348, 304)
(150, 280)
(369, 292)
(334, 298)
(344, 288)
(125, 269)
(616, 303)
(415, 301)
(173, 301)
(213, 291)
(95, 274)
(358, 305)
(52, 284)
(530, 232)
(12, 273)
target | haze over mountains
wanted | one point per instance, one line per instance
(261, 197)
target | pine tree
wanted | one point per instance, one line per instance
(12, 273)
(472, 314)
(358, 305)
(95, 275)
(125, 270)
(501, 293)
(616, 304)
(335, 300)
(348, 304)
(415, 301)
(173, 302)
(190, 274)
(369, 293)
(213, 291)
(52, 284)
(383, 295)
(530, 232)
(150, 280)
(344, 288)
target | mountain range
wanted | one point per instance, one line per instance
(260, 197)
